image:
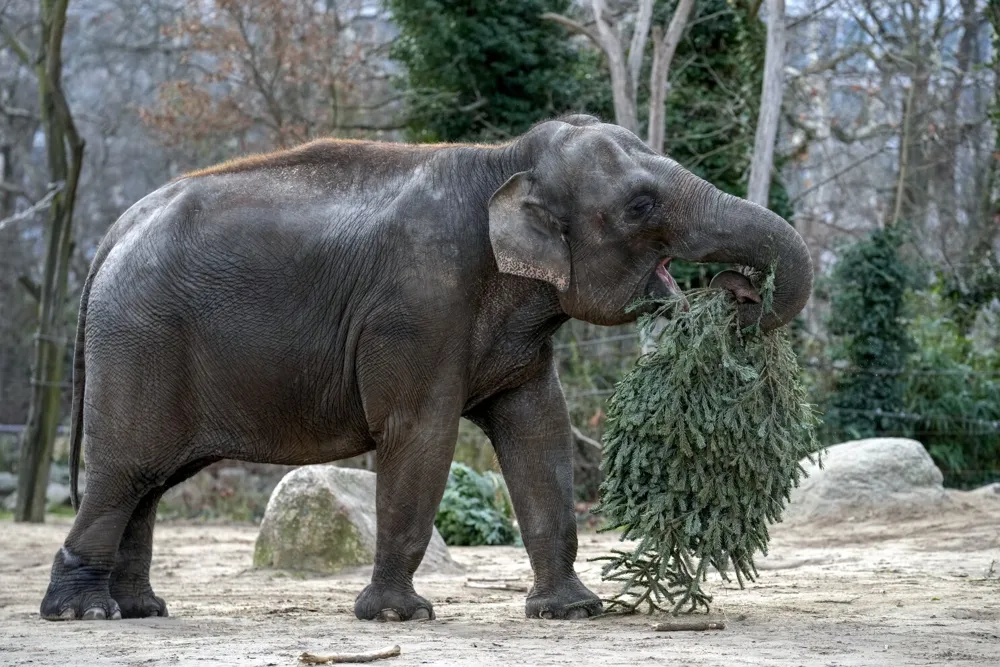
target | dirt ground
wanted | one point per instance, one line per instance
(922, 591)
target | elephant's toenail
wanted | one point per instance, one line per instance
(94, 614)
(68, 614)
(546, 615)
(421, 614)
(389, 615)
(117, 616)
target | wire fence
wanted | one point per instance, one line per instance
(593, 359)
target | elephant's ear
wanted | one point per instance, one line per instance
(527, 240)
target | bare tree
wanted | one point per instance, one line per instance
(626, 66)
(890, 122)
(64, 148)
(664, 47)
(272, 72)
(771, 99)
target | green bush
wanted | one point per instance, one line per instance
(951, 393)
(475, 510)
(867, 302)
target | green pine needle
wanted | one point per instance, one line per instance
(702, 447)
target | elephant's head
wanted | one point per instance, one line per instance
(600, 216)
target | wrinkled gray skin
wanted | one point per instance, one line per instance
(347, 297)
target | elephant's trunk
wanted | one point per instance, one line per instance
(724, 228)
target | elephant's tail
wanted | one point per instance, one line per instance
(80, 379)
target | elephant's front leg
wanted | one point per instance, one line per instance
(530, 431)
(413, 456)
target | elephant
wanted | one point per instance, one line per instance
(349, 296)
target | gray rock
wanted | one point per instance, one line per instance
(57, 495)
(59, 473)
(321, 518)
(891, 476)
(989, 490)
(8, 484)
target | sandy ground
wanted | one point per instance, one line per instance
(923, 591)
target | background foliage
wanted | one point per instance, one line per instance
(953, 392)
(867, 290)
(475, 510)
(481, 70)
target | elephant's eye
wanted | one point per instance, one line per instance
(640, 206)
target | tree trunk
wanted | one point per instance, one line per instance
(664, 47)
(65, 159)
(623, 90)
(770, 105)
(984, 228)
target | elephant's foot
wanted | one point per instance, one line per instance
(384, 602)
(78, 591)
(570, 600)
(138, 602)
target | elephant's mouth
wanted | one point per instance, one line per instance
(662, 272)
(660, 284)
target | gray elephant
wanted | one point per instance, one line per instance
(349, 296)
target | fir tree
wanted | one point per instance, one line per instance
(702, 448)
(481, 70)
(867, 300)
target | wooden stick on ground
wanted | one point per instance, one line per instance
(499, 586)
(691, 626)
(310, 659)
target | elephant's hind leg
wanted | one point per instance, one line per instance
(130, 585)
(81, 572)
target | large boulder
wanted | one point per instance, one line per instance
(990, 490)
(8, 484)
(878, 476)
(56, 496)
(321, 518)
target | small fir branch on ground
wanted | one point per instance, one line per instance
(702, 447)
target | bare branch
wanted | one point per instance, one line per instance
(578, 434)
(832, 63)
(805, 18)
(837, 174)
(39, 205)
(16, 112)
(13, 189)
(16, 45)
(31, 287)
(574, 26)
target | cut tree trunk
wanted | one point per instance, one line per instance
(65, 159)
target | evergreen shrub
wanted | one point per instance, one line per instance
(475, 509)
